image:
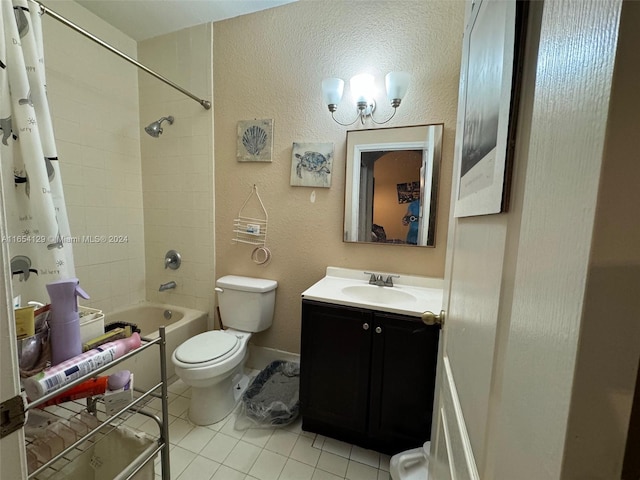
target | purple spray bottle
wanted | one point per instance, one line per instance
(65, 320)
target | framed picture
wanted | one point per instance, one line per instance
(491, 69)
(408, 192)
(255, 140)
(311, 164)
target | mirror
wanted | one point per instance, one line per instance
(391, 185)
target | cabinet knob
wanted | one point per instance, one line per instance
(378, 330)
(365, 326)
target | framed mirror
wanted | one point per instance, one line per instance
(391, 185)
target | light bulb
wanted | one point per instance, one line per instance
(362, 88)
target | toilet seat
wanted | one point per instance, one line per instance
(206, 349)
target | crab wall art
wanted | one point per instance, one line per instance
(311, 164)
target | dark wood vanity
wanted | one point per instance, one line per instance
(367, 377)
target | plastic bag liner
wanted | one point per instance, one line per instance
(272, 399)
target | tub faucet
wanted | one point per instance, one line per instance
(167, 286)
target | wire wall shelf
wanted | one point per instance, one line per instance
(251, 230)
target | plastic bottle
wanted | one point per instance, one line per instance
(65, 320)
(89, 388)
(59, 375)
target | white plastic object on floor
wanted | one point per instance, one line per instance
(411, 464)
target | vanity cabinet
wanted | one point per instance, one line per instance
(367, 377)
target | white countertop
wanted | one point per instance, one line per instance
(422, 293)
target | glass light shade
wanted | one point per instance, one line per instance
(362, 87)
(397, 84)
(332, 89)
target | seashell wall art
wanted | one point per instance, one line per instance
(255, 140)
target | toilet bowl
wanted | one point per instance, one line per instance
(212, 363)
(411, 465)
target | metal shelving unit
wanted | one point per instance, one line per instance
(111, 422)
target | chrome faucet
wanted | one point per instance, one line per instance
(377, 279)
(167, 286)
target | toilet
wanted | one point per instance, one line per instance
(411, 465)
(212, 363)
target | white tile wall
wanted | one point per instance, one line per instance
(94, 103)
(177, 168)
(155, 193)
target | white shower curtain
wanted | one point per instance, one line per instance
(37, 223)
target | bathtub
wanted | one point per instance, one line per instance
(183, 324)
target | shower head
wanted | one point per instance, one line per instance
(155, 129)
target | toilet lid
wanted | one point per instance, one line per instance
(206, 347)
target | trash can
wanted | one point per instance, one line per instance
(109, 456)
(273, 398)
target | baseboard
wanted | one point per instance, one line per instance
(260, 357)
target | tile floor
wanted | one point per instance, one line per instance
(220, 452)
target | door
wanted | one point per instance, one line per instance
(334, 371)
(12, 452)
(523, 351)
(403, 371)
(365, 210)
(475, 267)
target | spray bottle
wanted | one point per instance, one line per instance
(65, 320)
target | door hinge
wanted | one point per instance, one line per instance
(12, 415)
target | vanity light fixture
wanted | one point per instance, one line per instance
(362, 90)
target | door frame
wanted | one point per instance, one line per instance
(11, 446)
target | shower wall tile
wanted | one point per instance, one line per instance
(72, 174)
(93, 97)
(177, 168)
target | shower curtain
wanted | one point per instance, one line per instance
(37, 223)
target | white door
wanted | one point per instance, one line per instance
(12, 452)
(519, 301)
(476, 262)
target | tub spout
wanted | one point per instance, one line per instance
(167, 286)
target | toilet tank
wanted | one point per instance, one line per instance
(246, 303)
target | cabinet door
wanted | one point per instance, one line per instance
(334, 365)
(403, 371)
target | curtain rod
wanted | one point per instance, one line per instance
(44, 9)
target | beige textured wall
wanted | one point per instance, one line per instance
(177, 167)
(270, 65)
(94, 103)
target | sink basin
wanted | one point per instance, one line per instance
(375, 294)
(411, 294)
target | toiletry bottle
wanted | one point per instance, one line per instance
(66, 372)
(88, 388)
(65, 320)
(25, 323)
